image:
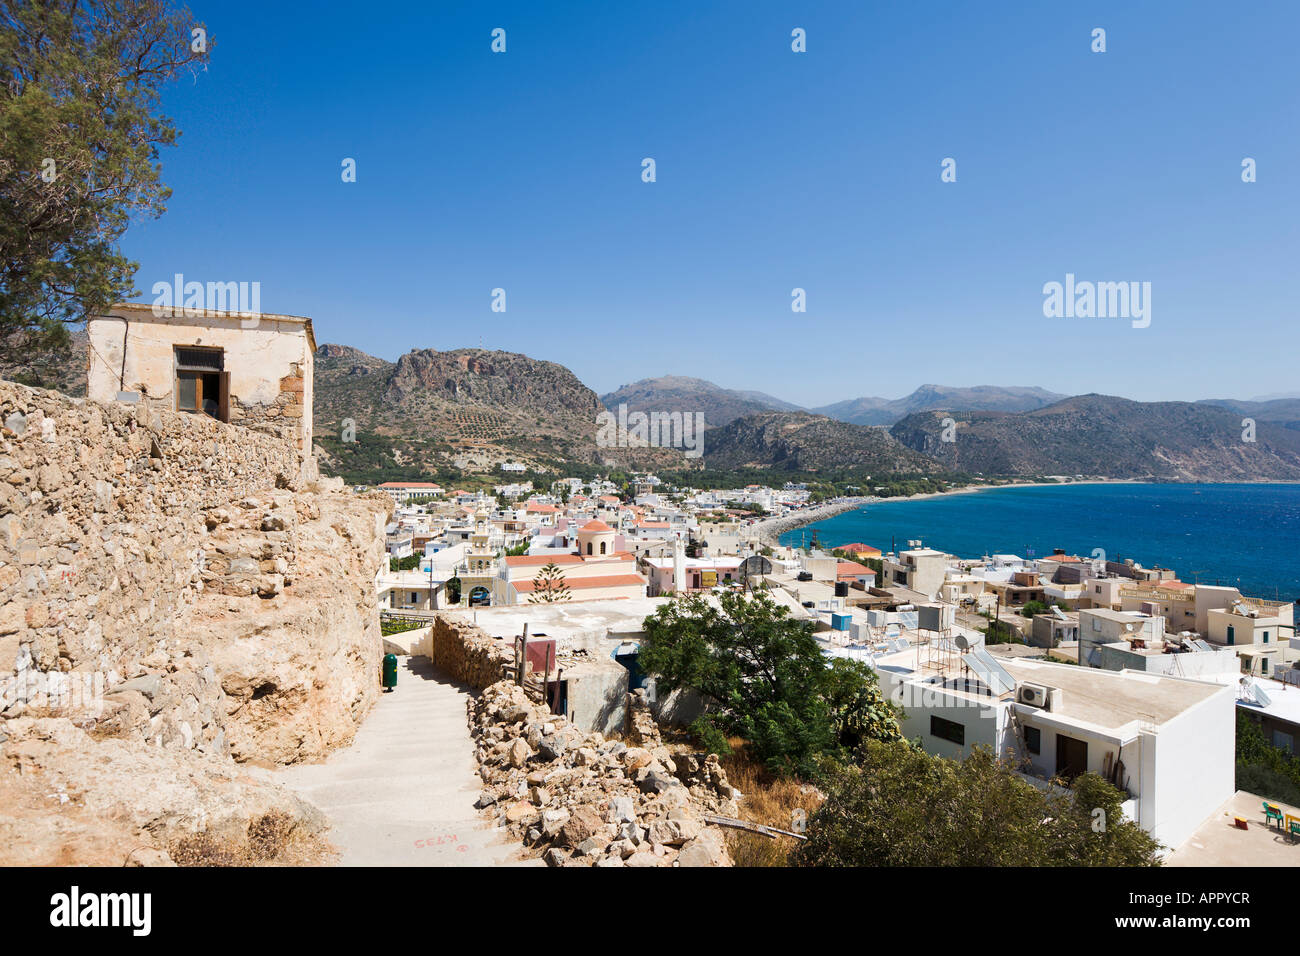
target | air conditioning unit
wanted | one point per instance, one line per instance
(1035, 695)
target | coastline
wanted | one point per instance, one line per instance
(969, 489)
(768, 530)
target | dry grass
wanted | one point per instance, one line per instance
(273, 839)
(769, 800)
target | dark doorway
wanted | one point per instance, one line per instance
(480, 597)
(636, 677)
(1071, 757)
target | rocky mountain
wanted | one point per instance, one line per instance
(465, 408)
(1101, 435)
(1284, 411)
(885, 411)
(676, 393)
(800, 441)
(66, 374)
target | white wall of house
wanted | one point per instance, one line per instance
(1188, 768)
(984, 722)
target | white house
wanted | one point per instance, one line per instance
(1167, 742)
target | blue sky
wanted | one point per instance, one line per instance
(775, 170)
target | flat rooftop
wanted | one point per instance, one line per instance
(1114, 698)
(582, 618)
(1110, 700)
(1283, 700)
(1123, 617)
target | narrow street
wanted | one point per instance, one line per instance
(403, 793)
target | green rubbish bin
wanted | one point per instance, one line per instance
(390, 672)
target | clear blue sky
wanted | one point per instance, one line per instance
(819, 170)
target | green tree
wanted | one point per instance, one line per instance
(549, 586)
(1262, 768)
(900, 806)
(859, 711)
(80, 133)
(408, 563)
(765, 678)
(1034, 607)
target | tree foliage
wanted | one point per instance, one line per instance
(765, 679)
(80, 134)
(408, 563)
(899, 806)
(549, 586)
(1262, 768)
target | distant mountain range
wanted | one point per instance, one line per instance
(1100, 435)
(723, 405)
(676, 393)
(801, 441)
(1283, 411)
(470, 409)
(466, 408)
(994, 398)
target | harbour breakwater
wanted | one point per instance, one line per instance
(769, 530)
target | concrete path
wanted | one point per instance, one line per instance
(403, 794)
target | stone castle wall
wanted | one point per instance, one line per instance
(216, 594)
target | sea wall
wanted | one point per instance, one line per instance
(770, 529)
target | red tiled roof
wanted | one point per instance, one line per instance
(593, 581)
(851, 569)
(858, 547)
(537, 560)
(595, 527)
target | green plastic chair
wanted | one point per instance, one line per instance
(1295, 830)
(1272, 813)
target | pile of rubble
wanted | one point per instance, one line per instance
(579, 799)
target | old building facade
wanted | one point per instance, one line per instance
(253, 370)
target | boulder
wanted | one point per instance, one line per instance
(673, 832)
(584, 823)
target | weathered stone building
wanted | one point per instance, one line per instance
(251, 369)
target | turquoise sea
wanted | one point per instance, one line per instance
(1246, 535)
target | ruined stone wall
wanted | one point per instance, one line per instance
(467, 653)
(579, 799)
(101, 520)
(283, 417)
(194, 581)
